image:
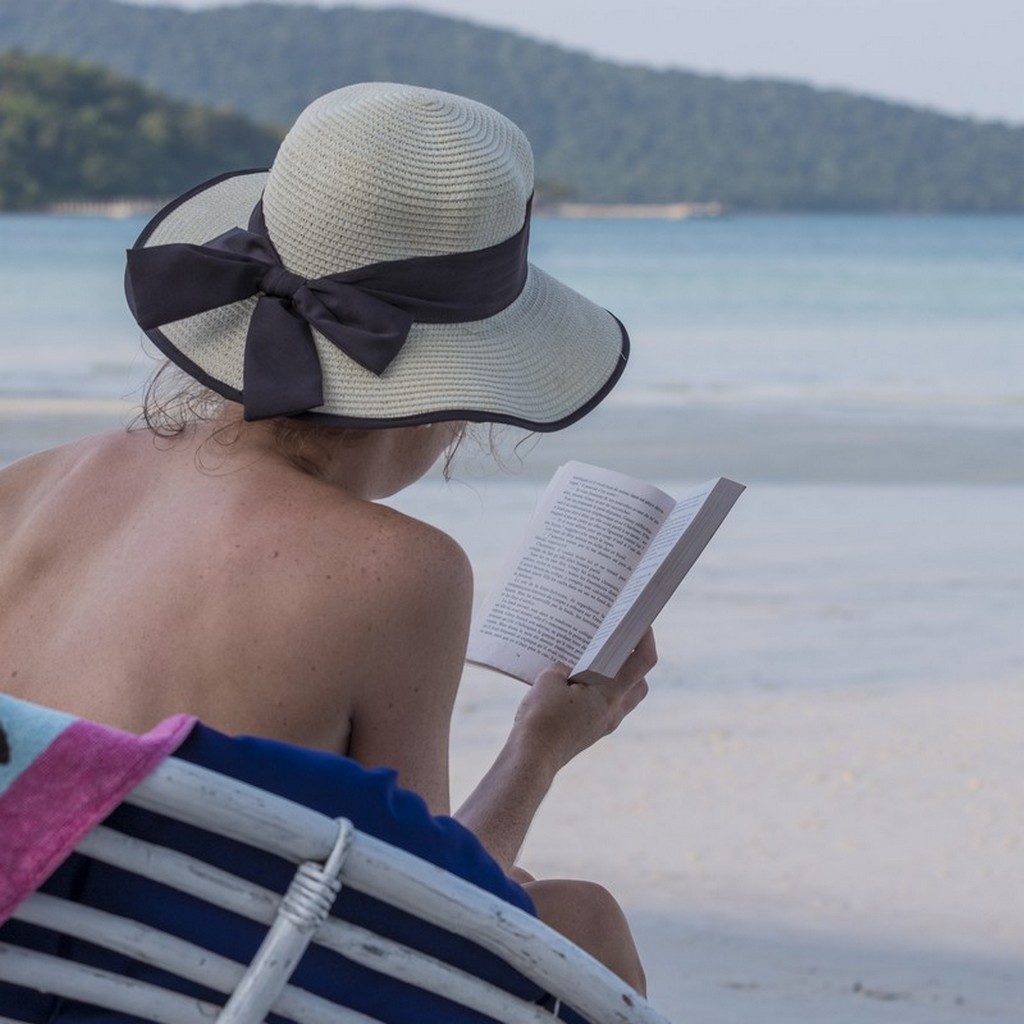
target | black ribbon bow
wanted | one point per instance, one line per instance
(366, 312)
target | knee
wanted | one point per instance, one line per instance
(589, 914)
(591, 902)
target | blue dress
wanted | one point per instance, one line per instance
(333, 785)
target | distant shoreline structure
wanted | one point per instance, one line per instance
(120, 209)
(115, 209)
(633, 211)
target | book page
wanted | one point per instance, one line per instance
(672, 530)
(589, 531)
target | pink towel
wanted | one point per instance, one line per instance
(60, 776)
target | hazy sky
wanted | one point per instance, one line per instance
(965, 56)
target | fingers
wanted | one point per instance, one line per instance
(633, 696)
(627, 703)
(647, 649)
(641, 661)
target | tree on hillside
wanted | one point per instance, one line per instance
(73, 131)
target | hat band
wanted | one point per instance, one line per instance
(366, 312)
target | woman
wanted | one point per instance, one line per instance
(231, 559)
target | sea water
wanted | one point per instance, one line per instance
(917, 316)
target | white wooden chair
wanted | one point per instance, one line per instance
(330, 853)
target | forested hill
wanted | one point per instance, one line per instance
(70, 131)
(600, 130)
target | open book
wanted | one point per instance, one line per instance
(602, 555)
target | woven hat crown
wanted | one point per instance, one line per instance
(385, 171)
(369, 174)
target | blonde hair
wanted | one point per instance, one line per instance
(173, 401)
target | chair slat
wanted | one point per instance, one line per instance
(52, 975)
(219, 804)
(176, 956)
(222, 889)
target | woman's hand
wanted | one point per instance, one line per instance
(558, 720)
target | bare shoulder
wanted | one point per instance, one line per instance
(328, 602)
(413, 586)
(30, 478)
(335, 551)
(424, 560)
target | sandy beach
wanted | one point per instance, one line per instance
(841, 856)
(818, 814)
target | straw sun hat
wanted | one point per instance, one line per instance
(376, 275)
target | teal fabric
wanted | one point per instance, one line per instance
(35, 728)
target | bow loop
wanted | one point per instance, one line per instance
(282, 372)
(370, 330)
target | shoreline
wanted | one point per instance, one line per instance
(131, 208)
(688, 442)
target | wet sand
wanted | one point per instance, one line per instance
(773, 443)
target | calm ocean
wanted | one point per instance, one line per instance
(871, 316)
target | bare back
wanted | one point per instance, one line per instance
(133, 586)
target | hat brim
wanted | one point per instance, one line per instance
(541, 363)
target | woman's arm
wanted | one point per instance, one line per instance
(409, 666)
(411, 660)
(556, 721)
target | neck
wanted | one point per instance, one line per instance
(367, 464)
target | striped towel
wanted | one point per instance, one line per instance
(60, 776)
